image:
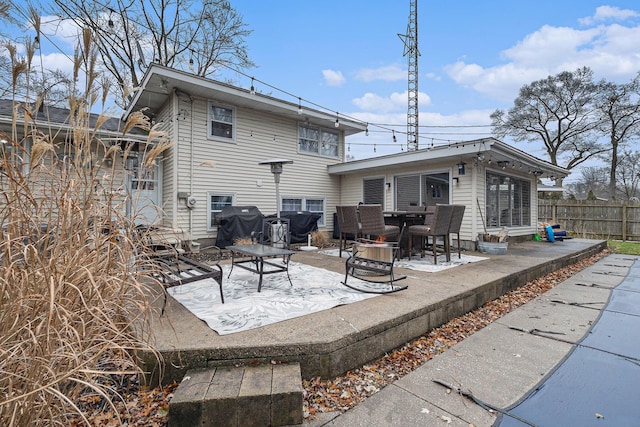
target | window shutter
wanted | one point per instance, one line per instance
(374, 191)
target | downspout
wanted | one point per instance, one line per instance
(191, 169)
(176, 151)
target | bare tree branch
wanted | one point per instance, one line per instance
(557, 111)
(196, 36)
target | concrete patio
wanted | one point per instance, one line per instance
(330, 342)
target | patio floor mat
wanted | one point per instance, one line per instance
(422, 264)
(314, 289)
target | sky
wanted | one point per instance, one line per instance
(346, 57)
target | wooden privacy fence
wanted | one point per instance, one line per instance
(593, 219)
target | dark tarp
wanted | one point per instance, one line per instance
(597, 383)
(236, 222)
(301, 223)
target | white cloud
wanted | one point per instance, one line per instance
(333, 78)
(610, 51)
(609, 13)
(394, 102)
(63, 32)
(389, 73)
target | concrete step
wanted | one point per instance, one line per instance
(265, 395)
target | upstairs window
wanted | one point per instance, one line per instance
(321, 142)
(221, 122)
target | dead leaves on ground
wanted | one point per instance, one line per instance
(346, 391)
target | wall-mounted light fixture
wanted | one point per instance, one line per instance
(388, 186)
(461, 169)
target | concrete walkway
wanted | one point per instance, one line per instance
(499, 364)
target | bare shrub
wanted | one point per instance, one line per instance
(243, 241)
(320, 238)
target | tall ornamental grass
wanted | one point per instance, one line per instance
(71, 290)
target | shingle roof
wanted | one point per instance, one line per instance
(60, 116)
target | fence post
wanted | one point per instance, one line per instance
(554, 212)
(624, 222)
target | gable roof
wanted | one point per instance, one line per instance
(159, 82)
(492, 149)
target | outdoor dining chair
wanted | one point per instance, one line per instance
(455, 224)
(439, 227)
(348, 224)
(373, 225)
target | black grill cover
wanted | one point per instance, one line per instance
(302, 223)
(235, 222)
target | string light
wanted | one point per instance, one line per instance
(299, 105)
(36, 42)
(253, 89)
(394, 136)
(110, 22)
(337, 124)
(366, 130)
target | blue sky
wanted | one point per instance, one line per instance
(346, 56)
(475, 56)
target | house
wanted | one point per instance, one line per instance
(221, 134)
(495, 181)
(20, 122)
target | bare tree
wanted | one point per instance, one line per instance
(199, 36)
(619, 106)
(593, 180)
(628, 175)
(558, 111)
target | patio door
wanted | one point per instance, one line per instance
(421, 190)
(143, 189)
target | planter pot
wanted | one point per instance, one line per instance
(493, 248)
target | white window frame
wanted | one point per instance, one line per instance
(211, 212)
(210, 119)
(509, 198)
(304, 207)
(319, 142)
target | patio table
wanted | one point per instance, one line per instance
(254, 258)
(405, 218)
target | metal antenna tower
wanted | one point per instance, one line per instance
(410, 40)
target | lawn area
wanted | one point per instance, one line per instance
(627, 248)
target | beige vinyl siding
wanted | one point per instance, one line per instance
(258, 137)
(164, 118)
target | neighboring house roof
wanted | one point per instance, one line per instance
(549, 189)
(160, 81)
(58, 118)
(487, 150)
